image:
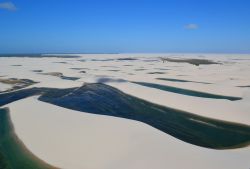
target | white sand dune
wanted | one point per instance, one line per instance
(4, 87)
(75, 140)
(72, 139)
(236, 111)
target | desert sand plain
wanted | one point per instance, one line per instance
(131, 111)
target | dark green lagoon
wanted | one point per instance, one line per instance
(13, 154)
(105, 100)
(180, 80)
(186, 91)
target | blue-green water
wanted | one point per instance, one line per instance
(13, 154)
(186, 91)
(105, 100)
(180, 80)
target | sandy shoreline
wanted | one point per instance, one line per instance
(71, 139)
(14, 153)
(94, 141)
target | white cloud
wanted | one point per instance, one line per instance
(191, 26)
(8, 6)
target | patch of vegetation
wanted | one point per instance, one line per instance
(75, 68)
(16, 65)
(124, 59)
(37, 71)
(244, 86)
(195, 62)
(140, 69)
(157, 73)
(17, 83)
(58, 74)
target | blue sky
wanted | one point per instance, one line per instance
(110, 26)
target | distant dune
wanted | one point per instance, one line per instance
(126, 111)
